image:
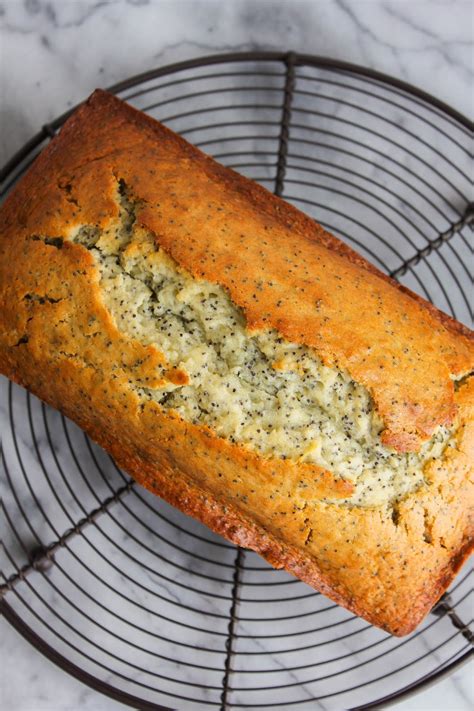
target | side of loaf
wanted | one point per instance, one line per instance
(208, 335)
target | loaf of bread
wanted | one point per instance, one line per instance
(241, 362)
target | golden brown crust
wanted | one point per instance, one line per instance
(57, 339)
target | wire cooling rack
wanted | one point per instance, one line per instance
(145, 604)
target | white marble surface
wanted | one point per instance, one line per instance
(52, 54)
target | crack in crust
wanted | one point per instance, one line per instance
(276, 398)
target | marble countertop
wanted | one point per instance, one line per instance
(54, 53)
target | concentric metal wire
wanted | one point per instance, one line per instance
(145, 604)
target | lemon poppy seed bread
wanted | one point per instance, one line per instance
(241, 362)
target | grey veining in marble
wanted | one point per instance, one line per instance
(155, 586)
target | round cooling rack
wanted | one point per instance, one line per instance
(140, 601)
